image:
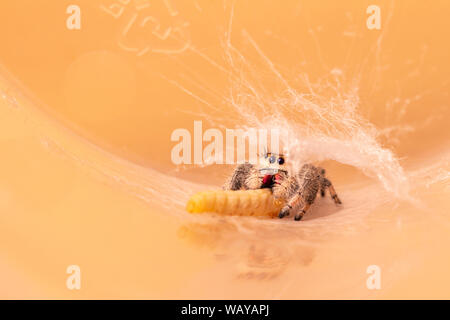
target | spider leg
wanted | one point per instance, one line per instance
(302, 212)
(238, 180)
(327, 183)
(322, 191)
(334, 195)
(286, 187)
(285, 211)
(292, 203)
(322, 184)
(253, 180)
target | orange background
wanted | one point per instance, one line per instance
(86, 176)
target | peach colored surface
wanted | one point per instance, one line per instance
(86, 176)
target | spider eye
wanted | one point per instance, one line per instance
(272, 159)
(280, 161)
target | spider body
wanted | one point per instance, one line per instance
(299, 190)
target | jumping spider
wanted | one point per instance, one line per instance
(298, 190)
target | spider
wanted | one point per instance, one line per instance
(299, 190)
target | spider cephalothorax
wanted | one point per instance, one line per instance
(298, 190)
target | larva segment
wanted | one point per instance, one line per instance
(258, 202)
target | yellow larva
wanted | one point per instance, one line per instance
(258, 202)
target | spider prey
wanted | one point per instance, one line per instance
(299, 190)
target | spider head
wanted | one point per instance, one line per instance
(271, 163)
